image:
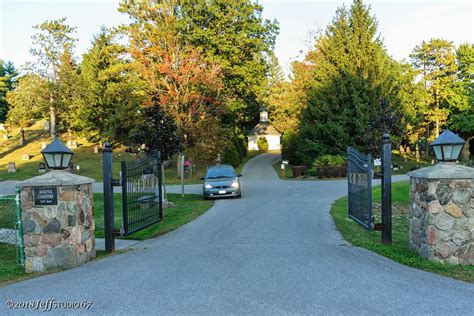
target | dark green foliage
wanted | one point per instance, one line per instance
(330, 166)
(240, 146)
(289, 150)
(330, 160)
(157, 131)
(231, 156)
(352, 74)
(262, 144)
(112, 93)
(233, 33)
(8, 79)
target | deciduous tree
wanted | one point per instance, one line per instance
(49, 45)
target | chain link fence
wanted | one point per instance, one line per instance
(11, 228)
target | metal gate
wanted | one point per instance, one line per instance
(359, 178)
(142, 199)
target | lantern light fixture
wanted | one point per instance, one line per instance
(448, 146)
(57, 155)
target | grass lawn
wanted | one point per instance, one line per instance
(9, 268)
(185, 210)
(399, 251)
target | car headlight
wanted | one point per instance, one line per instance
(208, 186)
(235, 184)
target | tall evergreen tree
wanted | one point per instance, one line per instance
(436, 62)
(112, 91)
(462, 120)
(8, 79)
(352, 75)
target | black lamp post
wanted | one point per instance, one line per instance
(57, 155)
(448, 146)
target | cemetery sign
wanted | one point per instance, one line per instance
(45, 196)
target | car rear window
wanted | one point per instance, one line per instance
(220, 173)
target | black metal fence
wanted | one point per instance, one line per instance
(142, 199)
(11, 227)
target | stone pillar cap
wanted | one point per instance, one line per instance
(56, 178)
(444, 170)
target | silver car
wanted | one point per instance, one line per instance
(221, 181)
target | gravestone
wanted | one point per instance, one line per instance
(25, 157)
(11, 167)
(72, 144)
(42, 167)
(96, 149)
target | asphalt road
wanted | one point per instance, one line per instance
(275, 251)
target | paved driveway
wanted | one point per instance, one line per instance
(275, 251)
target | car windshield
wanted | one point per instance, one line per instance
(214, 173)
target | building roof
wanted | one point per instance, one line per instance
(264, 128)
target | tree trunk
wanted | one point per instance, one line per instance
(52, 125)
(466, 150)
(437, 127)
(52, 117)
(427, 144)
(22, 136)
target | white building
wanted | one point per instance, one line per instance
(264, 129)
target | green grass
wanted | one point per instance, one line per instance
(399, 250)
(185, 210)
(9, 268)
(8, 216)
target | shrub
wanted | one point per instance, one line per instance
(330, 166)
(262, 144)
(330, 160)
(231, 156)
(240, 145)
(289, 148)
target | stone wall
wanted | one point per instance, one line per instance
(59, 235)
(442, 219)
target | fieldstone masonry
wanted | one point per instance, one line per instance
(60, 235)
(442, 213)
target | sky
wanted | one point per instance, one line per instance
(403, 24)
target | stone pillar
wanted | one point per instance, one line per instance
(442, 213)
(58, 221)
